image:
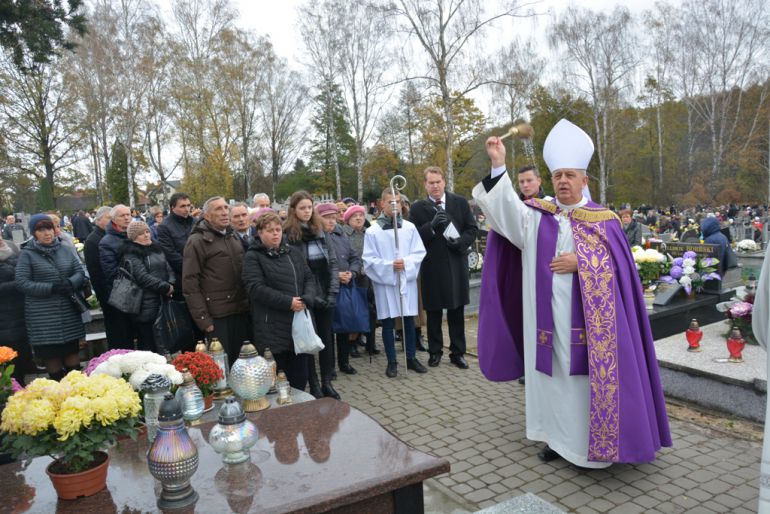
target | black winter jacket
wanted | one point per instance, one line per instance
(272, 278)
(109, 255)
(151, 272)
(327, 285)
(94, 265)
(12, 328)
(172, 236)
(347, 258)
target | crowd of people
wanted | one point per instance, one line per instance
(243, 272)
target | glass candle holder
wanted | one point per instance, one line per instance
(217, 352)
(284, 389)
(274, 366)
(190, 398)
(155, 388)
(250, 378)
(233, 435)
(173, 457)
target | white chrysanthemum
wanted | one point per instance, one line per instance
(107, 368)
(130, 362)
(685, 281)
(688, 263)
(688, 270)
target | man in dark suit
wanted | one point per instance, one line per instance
(447, 228)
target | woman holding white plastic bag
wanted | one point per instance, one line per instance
(279, 284)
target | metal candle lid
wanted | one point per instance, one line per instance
(694, 324)
(247, 350)
(155, 383)
(231, 412)
(200, 347)
(170, 409)
(187, 378)
(216, 347)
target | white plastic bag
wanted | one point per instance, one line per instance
(303, 333)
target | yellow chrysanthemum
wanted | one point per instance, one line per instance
(76, 413)
(28, 417)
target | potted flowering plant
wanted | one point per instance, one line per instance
(692, 272)
(739, 313)
(72, 421)
(203, 369)
(650, 263)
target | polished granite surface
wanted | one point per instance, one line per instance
(310, 457)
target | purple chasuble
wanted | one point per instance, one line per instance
(627, 418)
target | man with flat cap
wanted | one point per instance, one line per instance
(580, 329)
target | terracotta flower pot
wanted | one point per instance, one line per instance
(85, 483)
(208, 402)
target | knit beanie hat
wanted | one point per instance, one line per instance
(136, 229)
(351, 211)
(44, 220)
(326, 208)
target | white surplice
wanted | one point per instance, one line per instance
(759, 323)
(557, 406)
(378, 256)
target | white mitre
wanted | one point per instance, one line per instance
(567, 146)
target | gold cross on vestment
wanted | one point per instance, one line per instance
(543, 338)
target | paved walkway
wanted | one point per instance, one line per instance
(479, 427)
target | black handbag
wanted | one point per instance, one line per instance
(126, 295)
(173, 328)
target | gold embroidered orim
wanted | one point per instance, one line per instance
(597, 277)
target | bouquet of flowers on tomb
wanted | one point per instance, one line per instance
(650, 264)
(747, 245)
(739, 314)
(69, 420)
(202, 368)
(692, 272)
(8, 384)
(136, 366)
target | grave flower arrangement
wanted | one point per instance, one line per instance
(136, 366)
(691, 272)
(650, 264)
(747, 245)
(202, 368)
(69, 420)
(8, 385)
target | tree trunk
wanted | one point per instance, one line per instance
(660, 146)
(449, 140)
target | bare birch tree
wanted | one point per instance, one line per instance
(365, 62)
(599, 62)
(284, 102)
(447, 32)
(320, 28)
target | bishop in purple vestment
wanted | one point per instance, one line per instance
(580, 329)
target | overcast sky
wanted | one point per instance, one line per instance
(278, 19)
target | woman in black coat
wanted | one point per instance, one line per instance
(279, 283)
(13, 333)
(305, 234)
(145, 260)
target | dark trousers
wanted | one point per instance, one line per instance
(232, 331)
(323, 327)
(118, 327)
(295, 366)
(343, 349)
(456, 321)
(146, 337)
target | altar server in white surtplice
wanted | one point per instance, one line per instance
(384, 264)
(760, 320)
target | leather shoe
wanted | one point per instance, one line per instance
(420, 347)
(459, 361)
(316, 392)
(348, 369)
(329, 391)
(434, 359)
(372, 351)
(521, 381)
(354, 351)
(392, 370)
(334, 375)
(415, 365)
(547, 454)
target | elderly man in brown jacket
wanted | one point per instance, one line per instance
(212, 263)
